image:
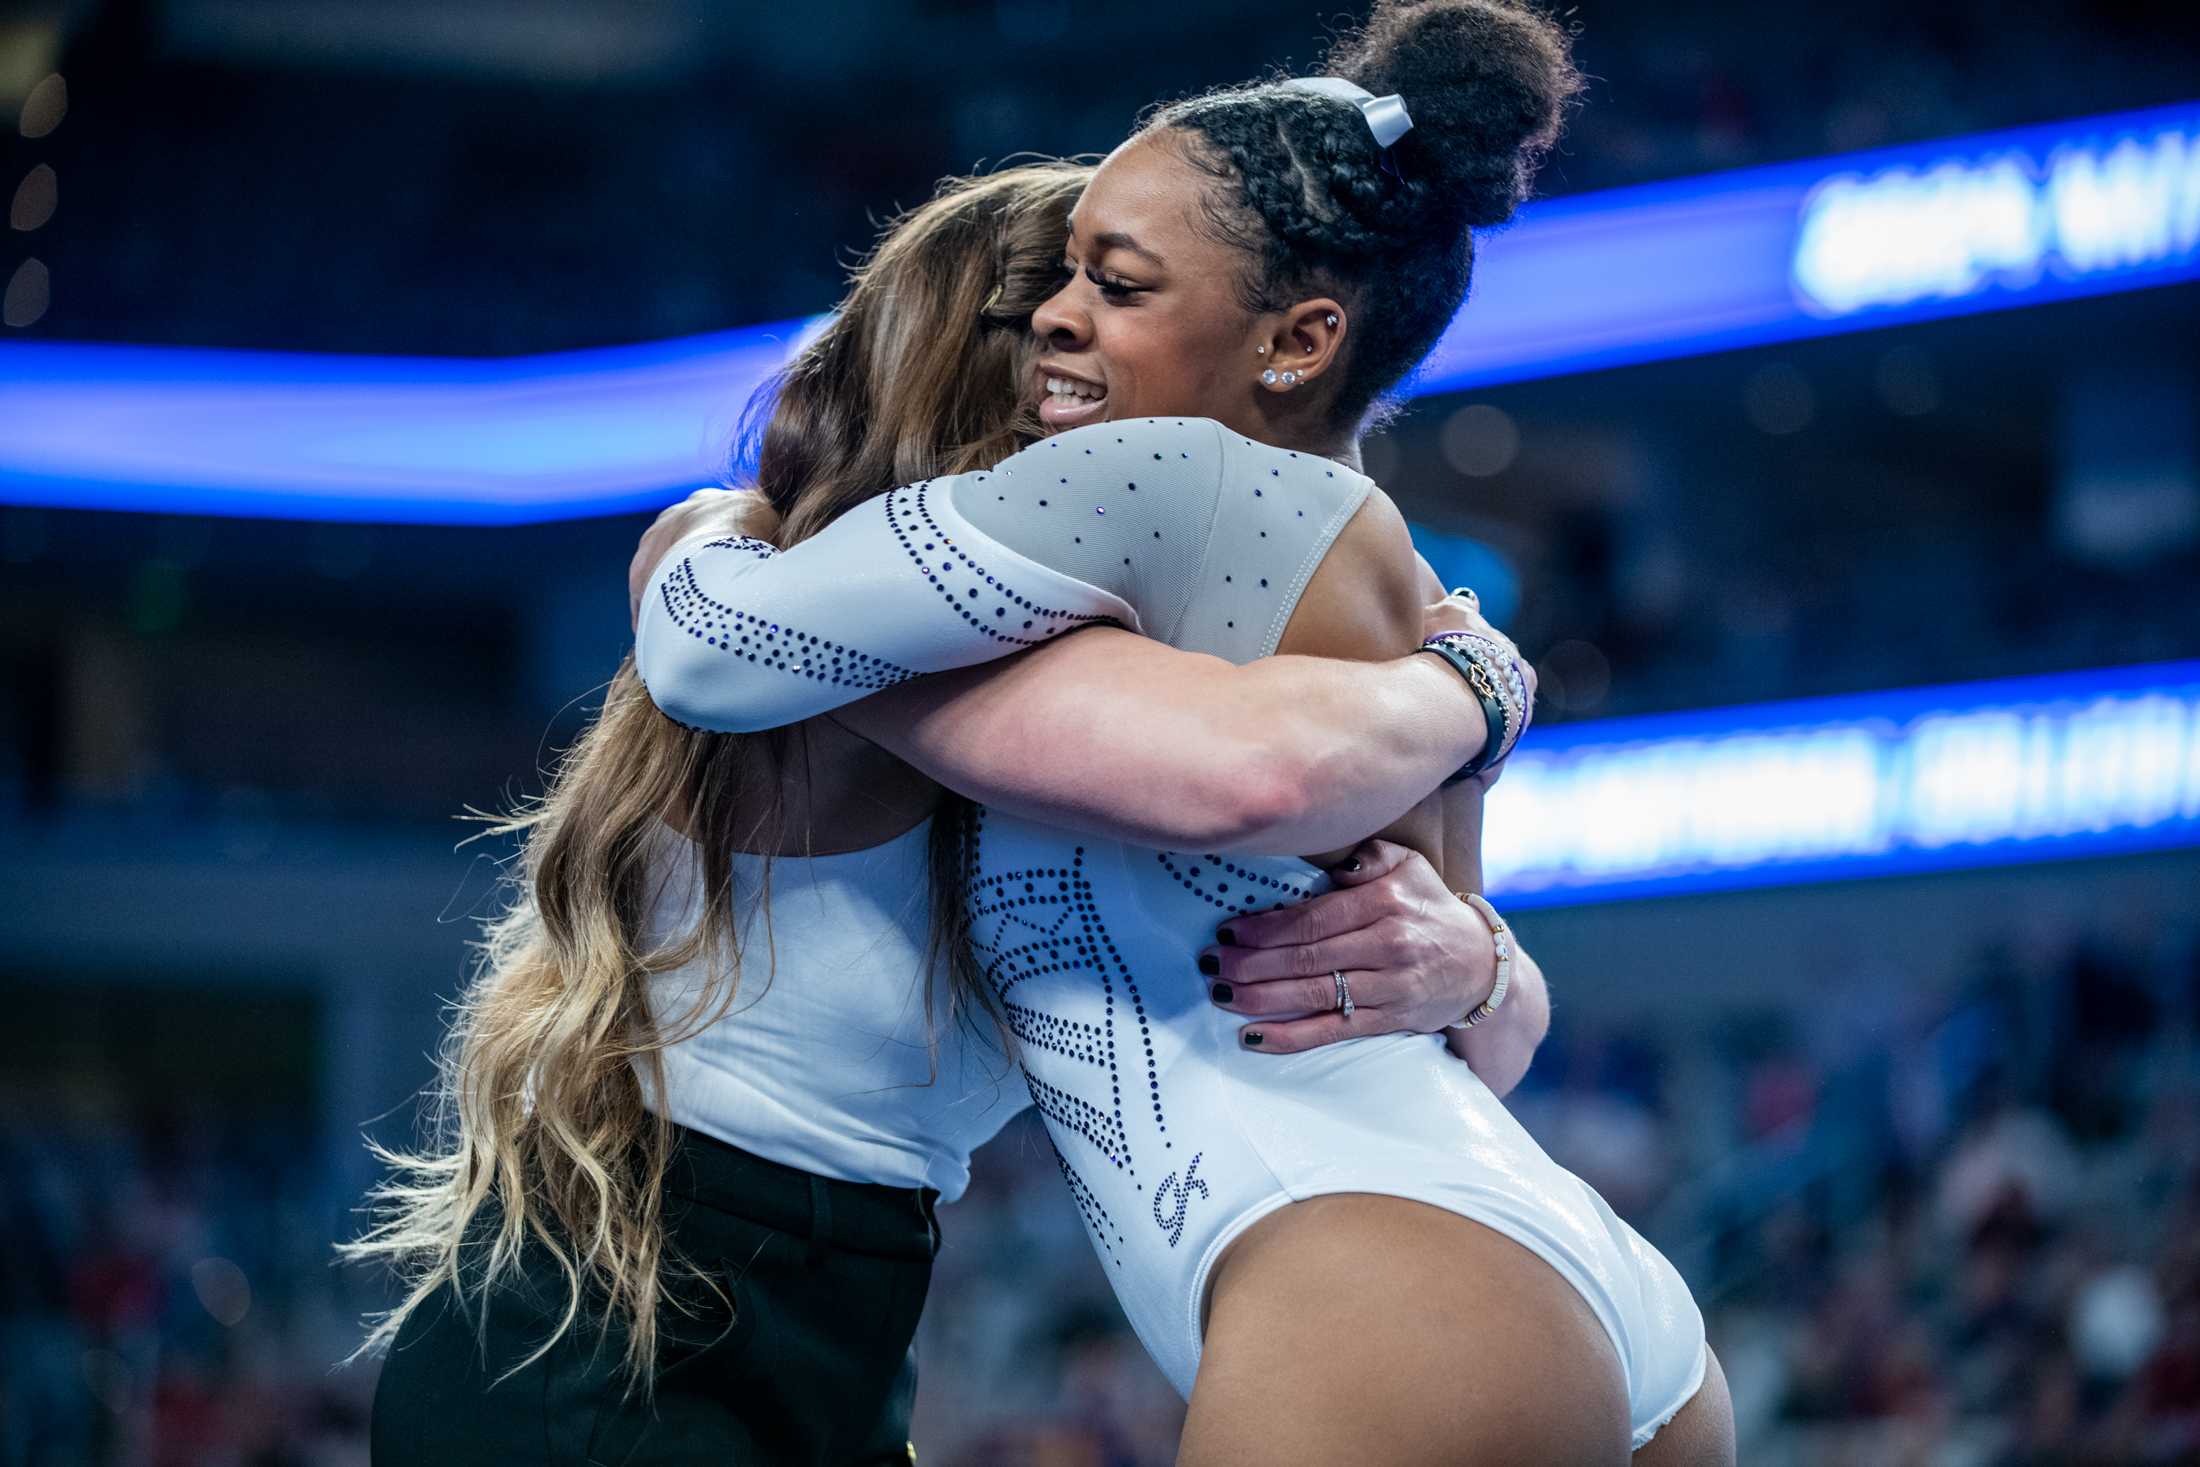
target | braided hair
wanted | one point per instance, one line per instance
(1318, 208)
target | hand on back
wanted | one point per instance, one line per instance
(728, 512)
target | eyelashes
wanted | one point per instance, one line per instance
(1115, 292)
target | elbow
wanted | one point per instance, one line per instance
(686, 679)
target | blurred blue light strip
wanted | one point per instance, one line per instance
(1978, 774)
(1631, 275)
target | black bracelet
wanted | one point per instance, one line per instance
(1493, 708)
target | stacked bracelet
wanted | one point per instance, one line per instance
(1501, 937)
(1494, 674)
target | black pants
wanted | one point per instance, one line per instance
(816, 1366)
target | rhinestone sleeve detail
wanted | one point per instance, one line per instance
(998, 611)
(767, 643)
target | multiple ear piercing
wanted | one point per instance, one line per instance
(1270, 377)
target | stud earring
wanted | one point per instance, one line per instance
(1262, 350)
(1290, 379)
(1310, 348)
(1269, 377)
(1329, 320)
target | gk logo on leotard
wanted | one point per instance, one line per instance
(1173, 1224)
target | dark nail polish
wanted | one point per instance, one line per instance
(1209, 964)
(1252, 1039)
(1226, 937)
(1353, 864)
(1222, 992)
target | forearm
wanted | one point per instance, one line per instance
(1119, 735)
(1500, 1048)
(735, 635)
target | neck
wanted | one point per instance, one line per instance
(1303, 433)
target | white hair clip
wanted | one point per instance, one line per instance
(1386, 116)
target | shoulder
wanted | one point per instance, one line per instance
(1166, 443)
(1163, 472)
(1366, 599)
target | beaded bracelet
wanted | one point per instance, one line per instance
(1501, 937)
(1493, 675)
(1503, 667)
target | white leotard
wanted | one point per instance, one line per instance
(1172, 1138)
(827, 1060)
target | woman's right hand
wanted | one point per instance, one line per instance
(1461, 611)
(729, 512)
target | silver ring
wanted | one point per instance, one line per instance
(1469, 593)
(1344, 993)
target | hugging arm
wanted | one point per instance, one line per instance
(1114, 733)
(949, 644)
(944, 641)
(1393, 911)
(1501, 1048)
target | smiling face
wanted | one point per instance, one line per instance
(1148, 323)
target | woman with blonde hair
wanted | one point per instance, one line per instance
(697, 1105)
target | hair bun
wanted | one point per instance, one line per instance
(1487, 82)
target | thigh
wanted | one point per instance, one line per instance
(449, 1391)
(1702, 1434)
(779, 1353)
(815, 1368)
(1375, 1330)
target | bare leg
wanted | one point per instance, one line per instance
(1377, 1331)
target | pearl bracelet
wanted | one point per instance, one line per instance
(1501, 936)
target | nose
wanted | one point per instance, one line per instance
(1060, 322)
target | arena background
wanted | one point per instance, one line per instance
(1877, 1013)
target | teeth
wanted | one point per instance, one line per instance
(1073, 390)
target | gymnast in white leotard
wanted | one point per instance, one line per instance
(1172, 1137)
(1207, 235)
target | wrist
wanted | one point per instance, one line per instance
(1502, 943)
(1501, 718)
(1451, 691)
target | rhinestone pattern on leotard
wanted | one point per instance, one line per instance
(1177, 1188)
(1044, 921)
(947, 566)
(765, 642)
(1097, 1222)
(1227, 885)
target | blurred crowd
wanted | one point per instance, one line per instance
(1811, 591)
(1961, 1231)
(167, 1293)
(486, 210)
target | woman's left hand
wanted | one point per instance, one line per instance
(1415, 957)
(729, 512)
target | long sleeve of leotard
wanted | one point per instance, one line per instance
(1118, 522)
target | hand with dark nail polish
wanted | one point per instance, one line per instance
(1222, 993)
(1226, 937)
(1252, 1038)
(1209, 964)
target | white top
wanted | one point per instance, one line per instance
(1173, 1138)
(823, 1062)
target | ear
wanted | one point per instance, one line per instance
(1304, 343)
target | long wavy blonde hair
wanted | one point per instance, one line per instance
(536, 1130)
